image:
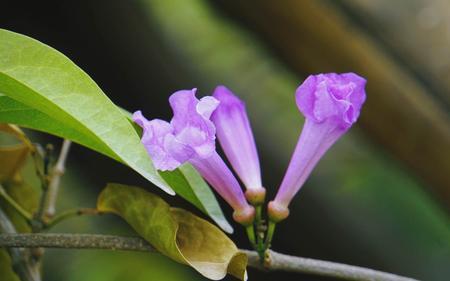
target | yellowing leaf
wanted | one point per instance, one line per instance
(16, 132)
(12, 157)
(174, 232)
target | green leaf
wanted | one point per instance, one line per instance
(42, 89)
(185, 181)
(44, 79)
(12, 111)
(174, 232)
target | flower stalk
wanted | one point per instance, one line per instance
(270, 232)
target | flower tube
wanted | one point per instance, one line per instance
(190, 137)
(236, 138)
(331, 104)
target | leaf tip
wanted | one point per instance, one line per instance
(225, 226)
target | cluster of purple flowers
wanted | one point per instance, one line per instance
(331, 103)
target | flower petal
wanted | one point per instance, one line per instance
(236, 137)
(333, 97)
(331, 104)
(154, 138)
(219, 176)
(206, 106)
(191, 122)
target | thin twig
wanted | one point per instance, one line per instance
(50, 179)
(24, 213)
(69, 214)
(75, 241)
(45, 182)
(19, 257)
(275, 261)
(282, 262)
(55, 179)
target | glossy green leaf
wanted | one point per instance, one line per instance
(174, 232)
(12, 111)
(42, 89)
(44, 79)
(185, 181)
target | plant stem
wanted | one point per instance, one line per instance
(55, 179)
(270, 232)
(71, 213)
(24, 213)
(37, 156)
(259, 232)
(50, 181)
(258, 214)
(45, 181)
(276, 261)
(251, 234)
(19, 258)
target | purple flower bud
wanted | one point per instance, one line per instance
(331, 103)
(190, 137)
(236, 138)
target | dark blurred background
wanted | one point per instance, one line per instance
(381, 196)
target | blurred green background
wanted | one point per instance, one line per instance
(381, 196)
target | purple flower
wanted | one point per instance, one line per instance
(331, 103)
(236, 138)
(190, 137)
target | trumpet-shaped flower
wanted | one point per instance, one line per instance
(236, 138)
(331, 103)
(190, 137)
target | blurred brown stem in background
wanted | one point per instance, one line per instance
(401, 114)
